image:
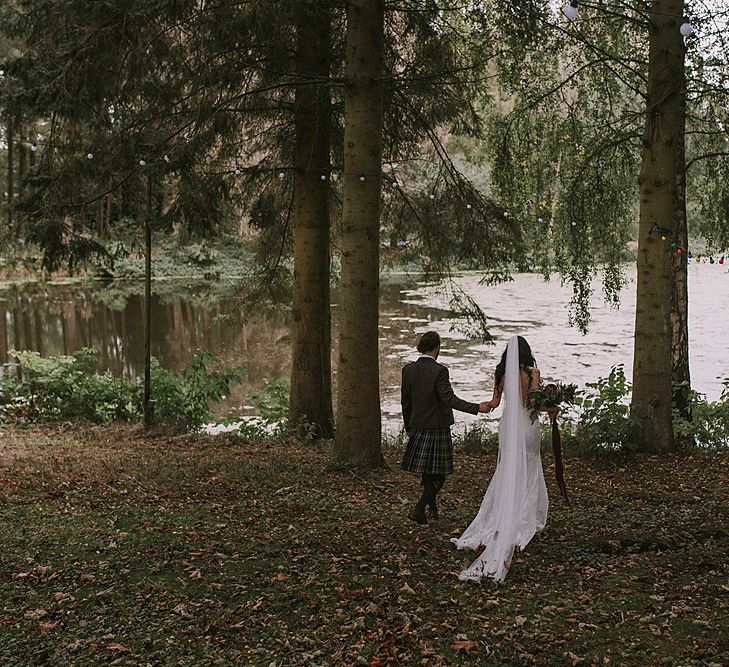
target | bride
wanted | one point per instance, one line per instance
(515, 505)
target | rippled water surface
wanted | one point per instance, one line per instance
(56, 320)
(539, 311)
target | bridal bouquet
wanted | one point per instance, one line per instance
(550, 396)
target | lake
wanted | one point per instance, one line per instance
(57, 319)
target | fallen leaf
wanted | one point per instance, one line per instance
(463, 645)
(48, 625)
(114, 646)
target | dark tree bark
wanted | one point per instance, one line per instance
(11, 174)
(310, 404)
(679, 298)
(358, 437)
(659, 198)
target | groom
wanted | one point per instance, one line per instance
(428, 402)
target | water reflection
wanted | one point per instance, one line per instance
(59, 320)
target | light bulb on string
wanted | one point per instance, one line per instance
(142, 162)
(323, 177)
(686, 28)
(237, 171)
(570, 10)
(34, 147)
(469, 207)
(280, 174)
(432, 196)
(89, 156)
(395, 184)
(361, 179)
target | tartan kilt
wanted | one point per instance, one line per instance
(429, 451)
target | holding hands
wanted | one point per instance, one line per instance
(485, 406)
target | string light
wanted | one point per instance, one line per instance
(663, 233)
(686, 28)
(33, 145)
(570, 10)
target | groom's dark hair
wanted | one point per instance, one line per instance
(428, 342)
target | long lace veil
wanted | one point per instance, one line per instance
(503, 520)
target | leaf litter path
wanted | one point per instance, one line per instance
(120, 547)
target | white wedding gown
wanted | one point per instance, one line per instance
(515, 505)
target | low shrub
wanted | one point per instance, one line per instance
(66, 388)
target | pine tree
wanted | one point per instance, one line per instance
(358, 437)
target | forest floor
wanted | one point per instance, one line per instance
(130, 548)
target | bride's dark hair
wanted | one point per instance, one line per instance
(526, 360)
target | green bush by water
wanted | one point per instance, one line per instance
(603, 422)
(66, 388)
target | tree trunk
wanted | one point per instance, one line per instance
(3, 334)
(22, 170)
(358, 437)
(148, 404)
(22, 162)
(659, 176)
(11, 174)
(679, 267)
(310, 403)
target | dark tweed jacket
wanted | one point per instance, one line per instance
(427, 397)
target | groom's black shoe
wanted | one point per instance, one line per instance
(417, 514)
